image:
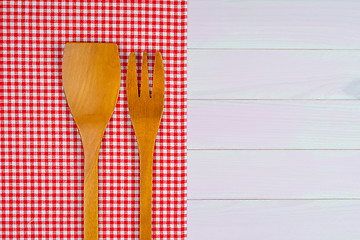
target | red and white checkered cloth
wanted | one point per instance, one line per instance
(41, 166)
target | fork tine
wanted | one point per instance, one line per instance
(158, 77)
(144, 93)
(131, 78)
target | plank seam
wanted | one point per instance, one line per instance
(270, 99)
(272, 149)
(279, 49)
(273, 199)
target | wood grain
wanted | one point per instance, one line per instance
(271, 74)
(241, 50)
(273, 174)
(276, 24)
(277, 124)
(274, 220)
(145, 111)
(91, 81)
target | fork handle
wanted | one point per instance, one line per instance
(146, 150)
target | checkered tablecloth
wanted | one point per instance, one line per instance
(41, 166)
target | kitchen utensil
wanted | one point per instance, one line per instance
(91, 81)
(145, 111)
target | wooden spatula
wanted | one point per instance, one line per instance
(91, 81)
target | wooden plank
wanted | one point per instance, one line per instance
(274, 220)
(276, 124)
(278, 24)
(273, 174)
(264, 74)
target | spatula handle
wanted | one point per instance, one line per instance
(91, 193)
(146, 150)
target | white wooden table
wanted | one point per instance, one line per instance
(274, 120)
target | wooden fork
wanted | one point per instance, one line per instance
(145, 113)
